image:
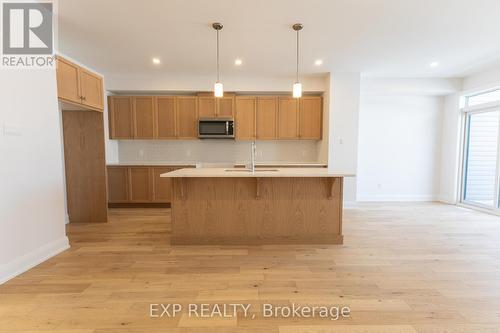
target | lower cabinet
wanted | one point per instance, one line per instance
(139, 184)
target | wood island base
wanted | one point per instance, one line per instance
(256, 211)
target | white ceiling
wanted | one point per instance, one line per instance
(386, 38)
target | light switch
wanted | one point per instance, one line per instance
(11, 130)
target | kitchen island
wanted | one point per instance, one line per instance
(266, 206)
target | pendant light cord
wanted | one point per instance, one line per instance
(218, 67)
(297, 56)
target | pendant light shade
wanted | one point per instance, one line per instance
(297, 90)
(218, 87)
(297, 86)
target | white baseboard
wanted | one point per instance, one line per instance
(396, 198)
(33, 258)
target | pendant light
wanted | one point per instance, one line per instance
(297, 86)
(218, 87)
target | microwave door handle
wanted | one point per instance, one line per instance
(227, 127)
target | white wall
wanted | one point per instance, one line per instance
(486, 79)
(399, 148)
(344, 92)
(32, 214)
(450, 149)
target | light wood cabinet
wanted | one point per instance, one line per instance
(288, 118)
(176, 117)
(267, 118)
(91, 89)
(212, 107)
(79, 86)
(165, 118)
(162, 187)
(246, 108)
(143, 107)
(207, 107)
(140, 183)
(118, 184)
(187, 117)
(225, 107)
(68, 81)
(311, 111)
(120, 117)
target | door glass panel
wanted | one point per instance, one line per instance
(481, 158)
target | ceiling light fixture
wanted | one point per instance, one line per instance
(318, 62)
(218, 87)
(238, 62)
(297, 86)
(434, 64)
(156, 61)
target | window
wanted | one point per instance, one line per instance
(483, 98)
(481, 159)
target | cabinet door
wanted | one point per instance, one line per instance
(187, 119)
(120, 117)
(206, 107)
(68, 82)
(267, 118)
(162, 187)
(140, 184)
(225, 107)
(118, 183)
(143, 117)
(245, 118)
(288, 118)
(91, 89)
(165, 118)
(311, 110)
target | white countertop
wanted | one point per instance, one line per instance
(151, 164)
(286, 164)
(239, 173)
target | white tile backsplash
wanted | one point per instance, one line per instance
(215, 151)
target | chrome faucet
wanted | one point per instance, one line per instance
(253, 152)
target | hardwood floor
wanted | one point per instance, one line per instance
(402, 268)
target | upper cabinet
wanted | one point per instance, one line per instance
(311, 111)
(120, 117)
(165, 118)
(187, 117)
(288, 118)
(225, 106)
(176, 117)
(246, 108)
(144, 114)
(207, 107)
(267, 118)
(212, 107)
(78, 86)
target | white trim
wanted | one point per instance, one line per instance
(397, 198)
(33, 258)
(479, 208)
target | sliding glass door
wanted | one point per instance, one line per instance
(481, 159)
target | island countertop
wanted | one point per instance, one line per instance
(259, 173)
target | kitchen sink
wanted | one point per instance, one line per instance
(248, 170)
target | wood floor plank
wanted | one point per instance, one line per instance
(410, 267)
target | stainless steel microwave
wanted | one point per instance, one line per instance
(215, 128)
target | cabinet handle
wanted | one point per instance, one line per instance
(83, 98)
